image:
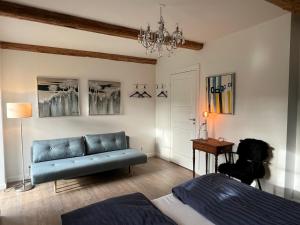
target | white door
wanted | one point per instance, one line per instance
(183, 116)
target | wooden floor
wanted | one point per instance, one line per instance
(41, 206)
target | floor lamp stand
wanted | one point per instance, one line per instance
(24, 186)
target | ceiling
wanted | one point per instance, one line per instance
(201, 20)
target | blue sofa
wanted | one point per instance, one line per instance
(67, 158)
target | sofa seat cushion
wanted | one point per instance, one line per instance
(85, 165)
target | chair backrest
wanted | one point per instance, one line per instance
(253, 150)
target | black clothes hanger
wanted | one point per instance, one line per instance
(136, 93)
(145, 93)
(162, 93)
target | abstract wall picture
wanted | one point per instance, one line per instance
(58, 97)
(220, 91)
(104, 97)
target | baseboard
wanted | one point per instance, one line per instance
(3, 186)
(164, 157)
(150, 154)
(16, 178)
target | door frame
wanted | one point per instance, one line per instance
(195, 67)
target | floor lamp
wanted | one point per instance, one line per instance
(20, 111)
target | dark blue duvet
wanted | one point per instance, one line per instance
(225, 201)
(133, 209)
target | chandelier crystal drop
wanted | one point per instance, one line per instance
(156, 41)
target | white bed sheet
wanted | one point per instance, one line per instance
(182, 214)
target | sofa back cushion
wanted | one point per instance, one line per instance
(46, 150)
(99, 143)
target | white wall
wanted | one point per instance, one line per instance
(20, 70)
(293, 150)
(260, 58)
(2, 161)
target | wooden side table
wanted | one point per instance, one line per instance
(214, 147)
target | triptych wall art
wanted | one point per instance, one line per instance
(220, 90)
(60, 97)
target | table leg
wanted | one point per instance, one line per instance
(193, 163)
(226, 157)
(216, 163)
(206, 162)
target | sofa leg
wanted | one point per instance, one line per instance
(130, 170)
(55, 186)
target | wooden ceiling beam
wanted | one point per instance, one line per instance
(73, 52)
(24, 12)
(289, 5)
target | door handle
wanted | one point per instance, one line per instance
(193, 119)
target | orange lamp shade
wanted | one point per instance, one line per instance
(19, 110)
(205, 114)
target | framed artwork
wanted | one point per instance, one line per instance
(104, 97)
(58, 97)
(220, 90)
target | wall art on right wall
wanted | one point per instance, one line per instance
(220, 91)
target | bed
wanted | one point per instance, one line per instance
(212, 199)
(181, 213)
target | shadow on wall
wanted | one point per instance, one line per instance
(293, 194)
(268, 162)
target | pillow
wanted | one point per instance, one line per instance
(225, 201)
(46, 150)
(131, 209)
(99, 143)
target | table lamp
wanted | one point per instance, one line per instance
(203, 131)
(20, 111)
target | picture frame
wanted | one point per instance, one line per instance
(220, 93)
(104, 97)
(58, 97)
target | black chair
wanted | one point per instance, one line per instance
(250, 164)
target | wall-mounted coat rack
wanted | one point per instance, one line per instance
(162, 92)
(138, 93)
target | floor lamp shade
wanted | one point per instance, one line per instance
(19, 110)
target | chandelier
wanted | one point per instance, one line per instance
(158, 40)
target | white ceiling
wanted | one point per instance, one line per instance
(201, 20)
